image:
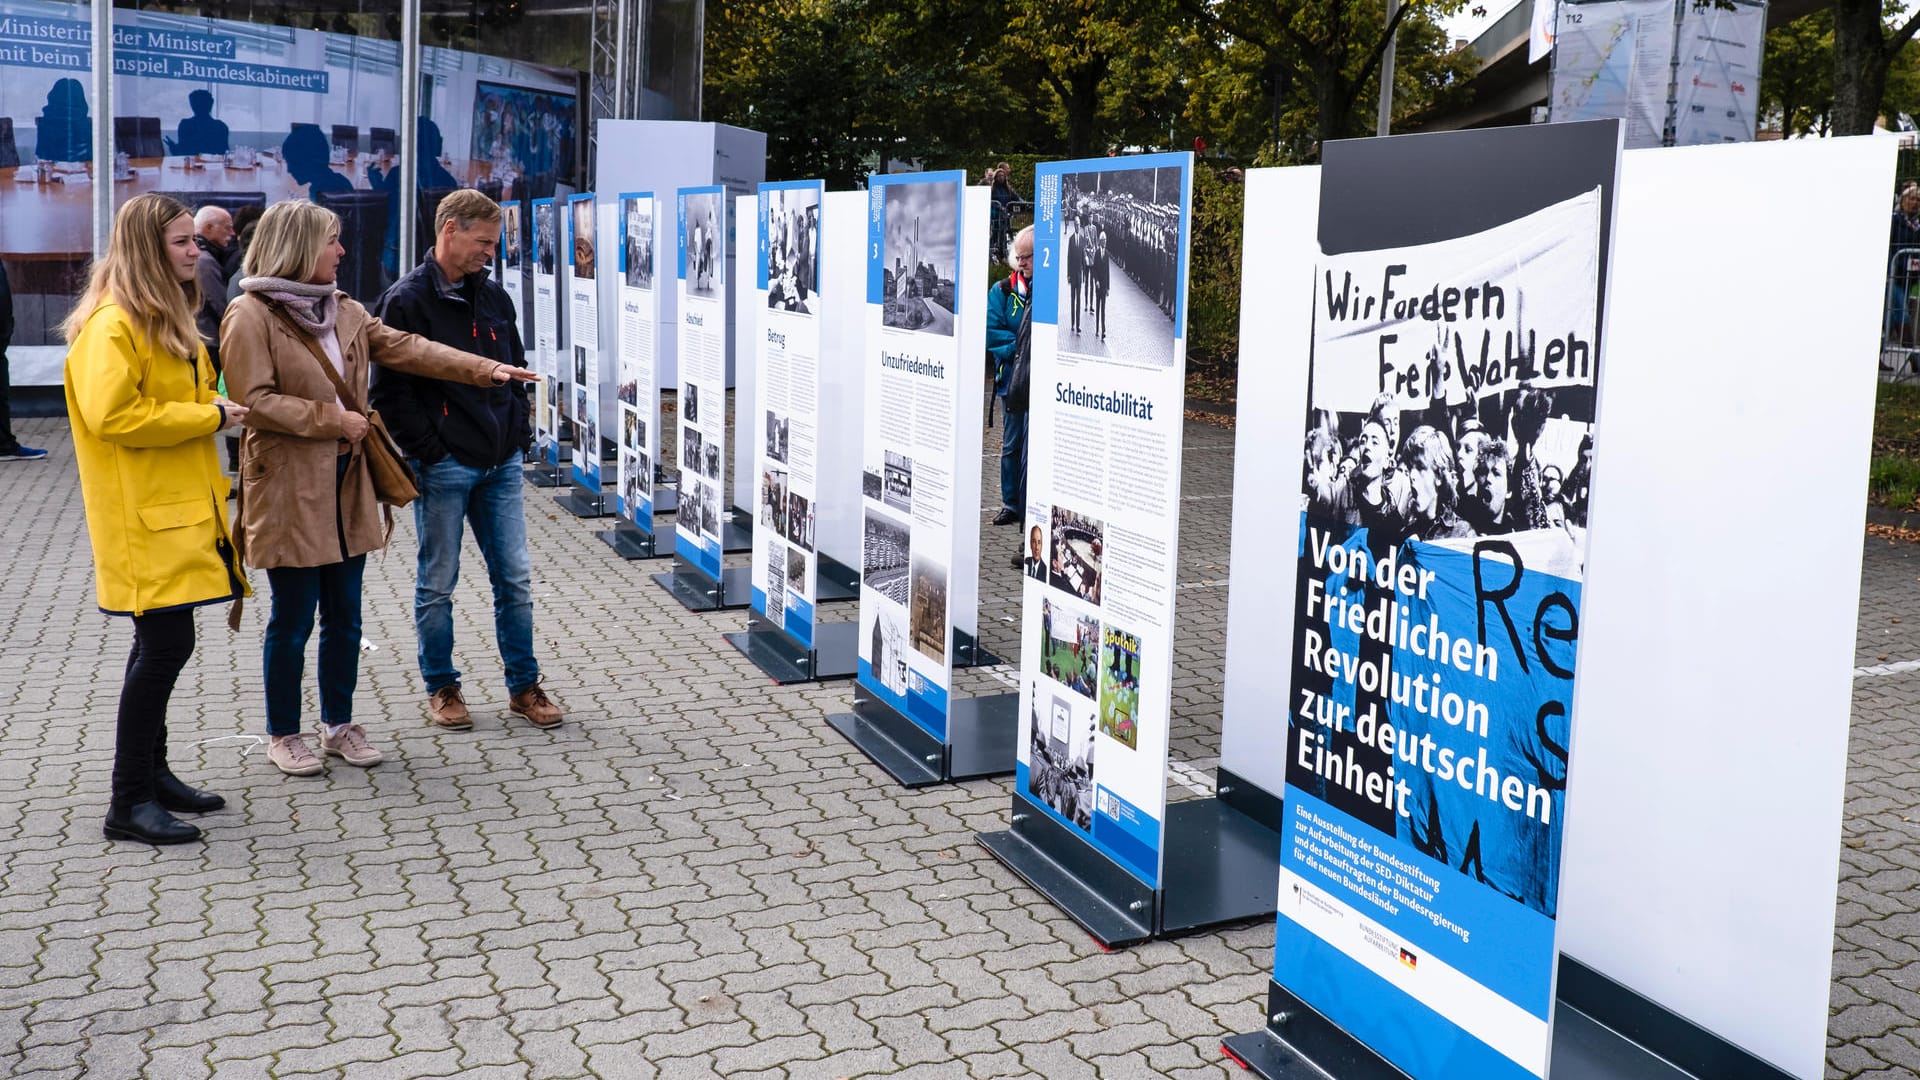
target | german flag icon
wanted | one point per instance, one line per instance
(1408, 958)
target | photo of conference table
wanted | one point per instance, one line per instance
(54, 222)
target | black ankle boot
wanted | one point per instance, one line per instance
(149, 823)
(173, 794)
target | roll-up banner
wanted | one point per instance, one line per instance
(787, 430)
(583, 293)
(638, 392)
(912, 464)
(1445, 484)
(703, 373)
(1103, 500)
(513, 266)
(546, 328)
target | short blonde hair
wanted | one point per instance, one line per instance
(288, 239)
(465, 207)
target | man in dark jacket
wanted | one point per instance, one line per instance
(1007, 302)
(10, 448)
(465, 444)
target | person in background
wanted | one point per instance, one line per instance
(243, 223)
(10, 447)
(429, 176)
(213, 236)
(309, 514)
(1008, 311)
(140, 397)
(64, 131)
(465, 444)
(1903, 237)
(309, 160)
(200, 133)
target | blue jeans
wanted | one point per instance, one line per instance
(452, 494)
(334, 590)
(1013, 459)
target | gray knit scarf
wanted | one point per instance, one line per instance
(314, 307)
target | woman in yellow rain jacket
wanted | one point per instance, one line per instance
(141, 400)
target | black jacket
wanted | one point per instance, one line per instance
(6, 310)
(430, 418)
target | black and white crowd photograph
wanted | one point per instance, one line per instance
(546, 238)
(1517, 462)
(793, 249)
(691, 445)
(797, 570)
(773, 500)
(884, 547)
(1119, 254)
(710, 461)
(511, 236)
(1060, 755)
(687, 510)
(636, 242)
(706, 248)
(799, 520)
(920, 255)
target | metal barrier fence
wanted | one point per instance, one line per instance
(1900, 318)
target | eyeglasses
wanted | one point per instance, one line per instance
(1027, 258)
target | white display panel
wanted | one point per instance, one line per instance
(702, 392)
(638, 389)
(583, 293)
(749, 299)
(550, 407)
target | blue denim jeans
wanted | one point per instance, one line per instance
(1013, 459)
(453, 495)
(298, 591)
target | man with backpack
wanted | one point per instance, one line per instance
(1009, 320)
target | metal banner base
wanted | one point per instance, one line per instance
(1220, 866)
(835, 653)
(969, 653)
(1601, 1031)
(629, 542)
(665, 500)
(698, 592)
(583, 502)
(981, 732)
(544, 475)
(736, 534)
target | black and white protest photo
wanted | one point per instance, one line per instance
(793, 249)
(546, 237)
(884, 547)
(1120, 261)
(1075, 561)
(633, 486)
(511, 236)
(710, 461)
(1060, 754)
(584, 252)
(797, 570)
(776, 437)
(706, 248)
(921, 254)
(690, 447)
(637, 249)
(927, 610)
(799, 520)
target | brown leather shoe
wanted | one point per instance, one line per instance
(534, 704)
(447, 709)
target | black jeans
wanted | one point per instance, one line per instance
(162, 642)
(8, 444)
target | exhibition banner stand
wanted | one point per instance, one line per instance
(550, 391)
(1453, 353)
(1091, 826)
(924, 358)
(698, 580)
(638, 393)
(795, 450)
(588, 498)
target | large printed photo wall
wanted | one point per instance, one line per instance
(1103, 499)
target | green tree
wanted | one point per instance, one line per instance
(1868, 37)
(1796, 78)
(1103, 62)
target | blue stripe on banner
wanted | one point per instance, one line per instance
(759, 599)
(799, 619)
(1102, 839)
(680, 248)
(1512, 945)
(765, 206)
(687, 549)
(1046, 226)
(878, 689)
(927, 705)
(876, 238)
(709, 558)
(553, 453)
(1128, 832)
(1413, 1037)
(643, 514)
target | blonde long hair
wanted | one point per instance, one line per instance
(288, 238)
(138, 275)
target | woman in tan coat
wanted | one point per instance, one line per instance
(308, 511)
(140, 397)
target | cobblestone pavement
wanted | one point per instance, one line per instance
(694, 877)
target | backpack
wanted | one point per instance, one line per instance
(1020, 374)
